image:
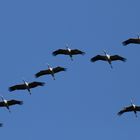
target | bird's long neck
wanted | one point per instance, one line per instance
(68, 48)
(134, 106)
(107, 55)
(132, 103)
(3, 99)
(50, 68)
(25, 82)
(135, 112)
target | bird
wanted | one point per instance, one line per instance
(68, 51)
(50, 71)
(26, 86)
(131, 41)
(108, 58)
(7, 103)
(131, 108)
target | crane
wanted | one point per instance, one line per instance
(50, 71)
(68, 51)
(108, 58)
(131, 108)
(26, 86)
(7, 103)
(131, 41)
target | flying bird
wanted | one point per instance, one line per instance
(7, 103)
(26, 86)
(131, 41)
(131, 108)
(108, 58)
(68, 51)
(50, 71)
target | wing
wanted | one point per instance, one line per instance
(131, 40)
(76, 51)
(98, 57)
(43, 72)
(60, 51)
(117, 57)
(2, 104)
(35, 84)
(58, 69)
(126, 109)
(137, 108)
(17, 87)
(14, 102)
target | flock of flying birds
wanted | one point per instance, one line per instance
(51, 71)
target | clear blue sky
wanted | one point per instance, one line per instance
(82, 103)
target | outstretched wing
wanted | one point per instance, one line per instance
(58, 69)
(117, 57)
(98, 57)
(126, 109)
(43, 72)
(14, 102)
(131, 40)
(35, 84)
(17, 87)
(2, 104)
(60, 51)
(137, 108)
(76, 51)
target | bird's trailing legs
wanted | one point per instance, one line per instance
(29, 90)
(8, 108)
(111, 65)
(53, 76)
(71, 57)
(135, 112)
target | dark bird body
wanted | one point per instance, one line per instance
(50, 71)
(131, 108)
(68, 51)
(26, 86)
(108, 58)
(7, 103)
(131, 41)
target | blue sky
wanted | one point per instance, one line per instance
(82, 103)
